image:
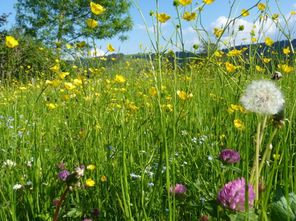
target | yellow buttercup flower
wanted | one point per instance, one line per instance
(96, 8)
(230, 68)
(189, 16)
(285, 68)
(218, 32)
(234, 53)
(266, 60)
(11, 42)
(69, 86)
(259, 69)
(286, 51)
(91, 167)
(162, 17)
(90, 182)
(62, 75)
(55, 68)
(253, 40)
(238, 124)
(183, 95)
(261, 6)
(268, 41)
(275, 17)
(51, 106)
(208, 1)
(103, 178)
(245, 13)
(153, 91)
(219, 54)
(119, 79)
(236, 107)
(110, 48)
(185, 2)
(91, 23)
(77, 82)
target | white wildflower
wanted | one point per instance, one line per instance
(150, 184)
(135, 176)
(17, 186)
(9, 163)
(263, 97)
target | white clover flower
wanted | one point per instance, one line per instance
(263, 97)
(17, 186)
(9, 163)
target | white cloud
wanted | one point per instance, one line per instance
(97, 52)
(144, 28)
(233, 36)
(188, 31)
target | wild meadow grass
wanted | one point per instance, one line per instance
(140, 139)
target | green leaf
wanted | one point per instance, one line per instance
(284, 210)
(74, 213)
(241, 216)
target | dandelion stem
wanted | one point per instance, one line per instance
(257, 162)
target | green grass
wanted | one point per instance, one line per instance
(146, 126)
(100, 126)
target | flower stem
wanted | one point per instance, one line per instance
(255, 174)
(56, 212)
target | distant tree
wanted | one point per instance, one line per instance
(3, 21)
(65, 20)
(208, 47)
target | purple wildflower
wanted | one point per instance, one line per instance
(232, 195)
(61, 166)
(229, 156)
(63, 175)
(85, 219)
(179, 190)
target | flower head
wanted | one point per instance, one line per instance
(110, 48)
(91, 23)
(185, 2)
(80, 171)
(63, 175)
(179, 190)
(229, 156)
(91, 167)
(17, 186)
(261, 6)
(262, 96)
(245, 13)
(11, 42)
(96, 8)
(162, 17)
(189, 16)
(208, 1)
(90, 182)
(268, 41)
(232, 195)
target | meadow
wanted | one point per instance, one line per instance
(155, 138)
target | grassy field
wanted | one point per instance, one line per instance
(140, 139)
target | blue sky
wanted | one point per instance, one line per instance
(214, 15)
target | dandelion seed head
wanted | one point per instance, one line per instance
(263, 97)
